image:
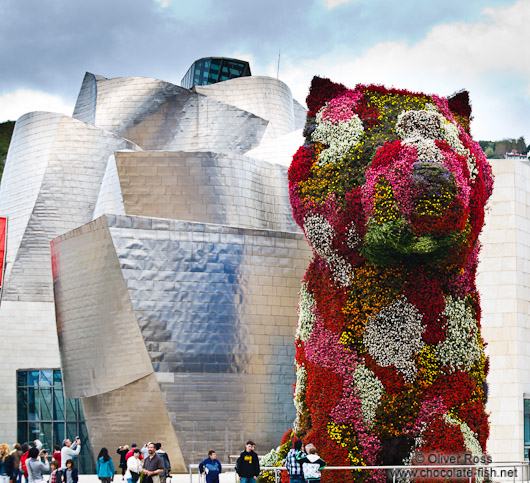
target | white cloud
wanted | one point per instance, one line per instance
(163, 3)
(485, 57)
(334, 3)
(15, 104)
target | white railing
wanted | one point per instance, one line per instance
(501, 471)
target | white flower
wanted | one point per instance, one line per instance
(271, 458)
(461, 347)
(320, 233)
(306, 315)
(421, 124)
(393, 337)
(299, 394)
(470, 441)
(354, 240)
(339, 137)
(421, 128)
(370, 389)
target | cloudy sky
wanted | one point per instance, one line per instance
(433, 46)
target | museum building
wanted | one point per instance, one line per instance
(153, 269)
(167, 304)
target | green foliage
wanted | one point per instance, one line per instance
(6, 131)
(497, 149)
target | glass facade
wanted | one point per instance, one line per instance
(44, 413)
(211, 70)
(526, 428)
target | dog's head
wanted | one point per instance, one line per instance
(389, 176)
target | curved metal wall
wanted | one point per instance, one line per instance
(216, 307)
(195, 186)
(159, 115)
(62, 162)
(265, 97)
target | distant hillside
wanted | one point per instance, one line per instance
(6, 131)
(497, 149)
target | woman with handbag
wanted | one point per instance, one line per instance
(134, 467)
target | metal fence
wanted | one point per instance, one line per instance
(493, 472)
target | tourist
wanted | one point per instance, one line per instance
(68, 450)
(6, 464)
(54, 467)
(105, 466)
(134, 467)
(167, 464)
(57, 454)
(70, 474)
(16, 454)
(131, 451)
(153, 465)
(145, 450)
(247, 465)
(293, 466)
(122, 451)
(311, 463)
(211, 466)
(25, 455)
(36, 467)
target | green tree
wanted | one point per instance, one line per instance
(6, 131)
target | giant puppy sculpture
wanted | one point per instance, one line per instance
(390, 191)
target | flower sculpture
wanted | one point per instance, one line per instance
(390, 191)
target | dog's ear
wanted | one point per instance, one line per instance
(461, 108)
(321, 91)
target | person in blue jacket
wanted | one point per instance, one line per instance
(211, 466)
(105, 467)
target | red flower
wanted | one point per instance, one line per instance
(300, 168)
(321, 91)
(454, 388)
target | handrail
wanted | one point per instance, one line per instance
(487, 469)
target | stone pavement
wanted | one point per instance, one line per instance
(228, 477)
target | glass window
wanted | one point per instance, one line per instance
(71, 414)
(22, 403)
(42, 410)
(33, 404)
(22, 431)
(58, 405)
(45, 403)
(22, 378)
(46, 378)
(57, 378)
(526, 425)
(33, 378)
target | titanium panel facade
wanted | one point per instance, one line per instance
(205, 187)
(265, 97)
(62, 162)
(216, 307)
(157, 115)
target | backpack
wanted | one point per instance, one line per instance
(167, 464)
(22, 465)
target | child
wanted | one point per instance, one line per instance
(211, 466)
(71, 474)
(311, 464)
(54, 466)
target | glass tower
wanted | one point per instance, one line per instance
(210, 70)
